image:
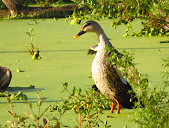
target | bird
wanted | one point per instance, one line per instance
(5, 77)
(109, 80)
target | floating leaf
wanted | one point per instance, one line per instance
(39, 103)
(18, 70)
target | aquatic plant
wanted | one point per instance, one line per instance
(153, 14)
(34, 52)
(152, 106)
(88, 106)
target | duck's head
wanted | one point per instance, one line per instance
(89, 26)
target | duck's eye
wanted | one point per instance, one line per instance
(86, 25)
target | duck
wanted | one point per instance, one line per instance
(109, 80)
(5, 77)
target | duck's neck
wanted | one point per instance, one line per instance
(103, 40)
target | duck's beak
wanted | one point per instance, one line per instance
(79, 34)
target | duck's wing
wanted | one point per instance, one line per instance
(119, 70)
(123, 90)
(92, 50)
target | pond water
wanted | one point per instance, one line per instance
(65, 59)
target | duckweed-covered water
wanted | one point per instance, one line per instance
(65, 59)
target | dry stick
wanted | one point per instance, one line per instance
(38, 116)
(44, 111)
(43, 114)
(95, 120)
(80, 123)
(31, 43)
(13, 123)
(29, 50)
(87, 107)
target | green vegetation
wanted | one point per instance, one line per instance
(153, 13)
(155, 112)
(88, 106)
(22, 120)
(125, 11)
(152, 105)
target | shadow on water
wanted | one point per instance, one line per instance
(26, 89)
(82, 50)
(33, 100)
(43, 51)
(23, 89)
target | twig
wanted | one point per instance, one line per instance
(80, 123)
(13, 123)
(87, 107)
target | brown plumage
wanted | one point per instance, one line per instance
(5, 77)
(108, 79)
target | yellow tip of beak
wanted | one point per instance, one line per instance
(76, 36)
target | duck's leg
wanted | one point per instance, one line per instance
(112, 107)
(118, 108)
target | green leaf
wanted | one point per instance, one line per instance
(30, 105)
(10, 113)
(105, 123)
(74, 91)
(27, 33)
(39, 103)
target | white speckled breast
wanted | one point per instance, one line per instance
(99, 74)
